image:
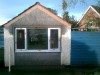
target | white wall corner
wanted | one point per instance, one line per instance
(66, 47)
(8, 44)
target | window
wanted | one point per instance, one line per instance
(54, 38)
(37, 40)
(20, 39)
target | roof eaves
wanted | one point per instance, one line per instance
(20, 14)
(47, 11)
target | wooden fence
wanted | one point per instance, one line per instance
(85, 48)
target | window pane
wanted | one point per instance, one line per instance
(20, 39)
(54, 38)
(37, 39)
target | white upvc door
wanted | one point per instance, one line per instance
(54, 39)
(20, 39)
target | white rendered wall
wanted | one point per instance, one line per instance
(8, 44)
(66, 46)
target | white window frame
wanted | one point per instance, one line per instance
(49, 32)
(16, 39)
(48, 50)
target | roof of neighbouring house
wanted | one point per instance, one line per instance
(94, 8)
(41, 7)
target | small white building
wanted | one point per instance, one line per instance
(37, 37)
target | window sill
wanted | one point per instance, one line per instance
(56, 50)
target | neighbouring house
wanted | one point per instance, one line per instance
(37, 36)
(91, 18)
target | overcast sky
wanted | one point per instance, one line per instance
(11, 8)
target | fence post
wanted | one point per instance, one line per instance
(9, 60)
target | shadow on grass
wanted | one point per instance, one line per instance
(58, 71)
(53, 71)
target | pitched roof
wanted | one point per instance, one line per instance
(94, 8)
(42, 8)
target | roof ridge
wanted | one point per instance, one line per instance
(37, 3)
